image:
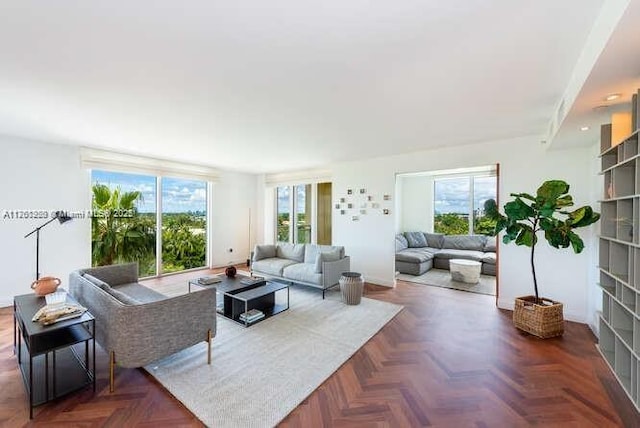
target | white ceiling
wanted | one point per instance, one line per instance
(286, 84)
(616, 71)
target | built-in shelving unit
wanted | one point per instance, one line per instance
(619, 256)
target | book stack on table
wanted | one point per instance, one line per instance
(251, 316)
(252, 280)
(208, 280)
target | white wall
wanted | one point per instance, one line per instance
(233, 196)
(524, 165)
(416, 203)
(43, 176)
(39, 176)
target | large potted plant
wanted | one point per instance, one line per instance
(525, 217)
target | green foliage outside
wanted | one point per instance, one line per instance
(450, 224)
(120, 234)
(304, 229)
(458, 224)
(184, 242)
(484, 225)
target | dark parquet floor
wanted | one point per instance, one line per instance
(449, 359)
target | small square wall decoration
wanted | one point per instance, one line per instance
(363, 191)
(387, 197)
(385, 211)
(349, 191)
(355, 218)
(337, 206)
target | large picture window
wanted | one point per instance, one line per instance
(127, 227)
(184, 224)
(303, 213)
(459, 204)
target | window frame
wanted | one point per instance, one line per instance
(158, 213)
(471, 194)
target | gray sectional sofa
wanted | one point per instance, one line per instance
(417, 252)
(319, 266)
(136, 325)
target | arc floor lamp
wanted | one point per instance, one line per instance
(62, 217)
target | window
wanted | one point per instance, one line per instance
(295, 206)
(283, 202)
(484, 188)
(451, 206)
(184, 224)
(459, 204)
(302, 205)
(125, 225)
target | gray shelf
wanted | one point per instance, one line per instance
(619, 259)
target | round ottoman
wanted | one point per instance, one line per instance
(465, 270)
(351, 285)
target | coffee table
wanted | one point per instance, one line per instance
(463, 270)
(234, 298)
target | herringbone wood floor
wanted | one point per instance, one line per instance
(449, 359)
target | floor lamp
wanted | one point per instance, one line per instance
(62, 218)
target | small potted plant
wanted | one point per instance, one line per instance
(524, 217)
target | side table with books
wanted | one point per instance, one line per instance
(55, 346)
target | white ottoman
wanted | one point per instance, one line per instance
(465, 270)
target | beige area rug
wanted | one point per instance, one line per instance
(258, 375)
(442, 278)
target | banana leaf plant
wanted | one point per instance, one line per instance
(527, 215)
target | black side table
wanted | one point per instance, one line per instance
(61, 340)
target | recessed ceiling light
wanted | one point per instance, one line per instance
(612, 97)
(584, 128)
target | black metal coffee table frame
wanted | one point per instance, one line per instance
(238, 298)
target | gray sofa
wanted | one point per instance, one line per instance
(319, 266)
(136, 325)
(417, 252)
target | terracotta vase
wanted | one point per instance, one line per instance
(45, 285)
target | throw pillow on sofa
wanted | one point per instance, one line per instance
(293, 252)
(490, 246)
(416, 239)
(100, 283)
(434, 240)
(264, 252)
(401, 242)
(123, 298)
(464, 242)
(328, 256)
(119, 295)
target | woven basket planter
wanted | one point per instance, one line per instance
(543, 320)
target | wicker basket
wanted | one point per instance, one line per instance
(542, 320)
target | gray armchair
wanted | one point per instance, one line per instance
(136, 325)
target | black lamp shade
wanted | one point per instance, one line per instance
(62, 217)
